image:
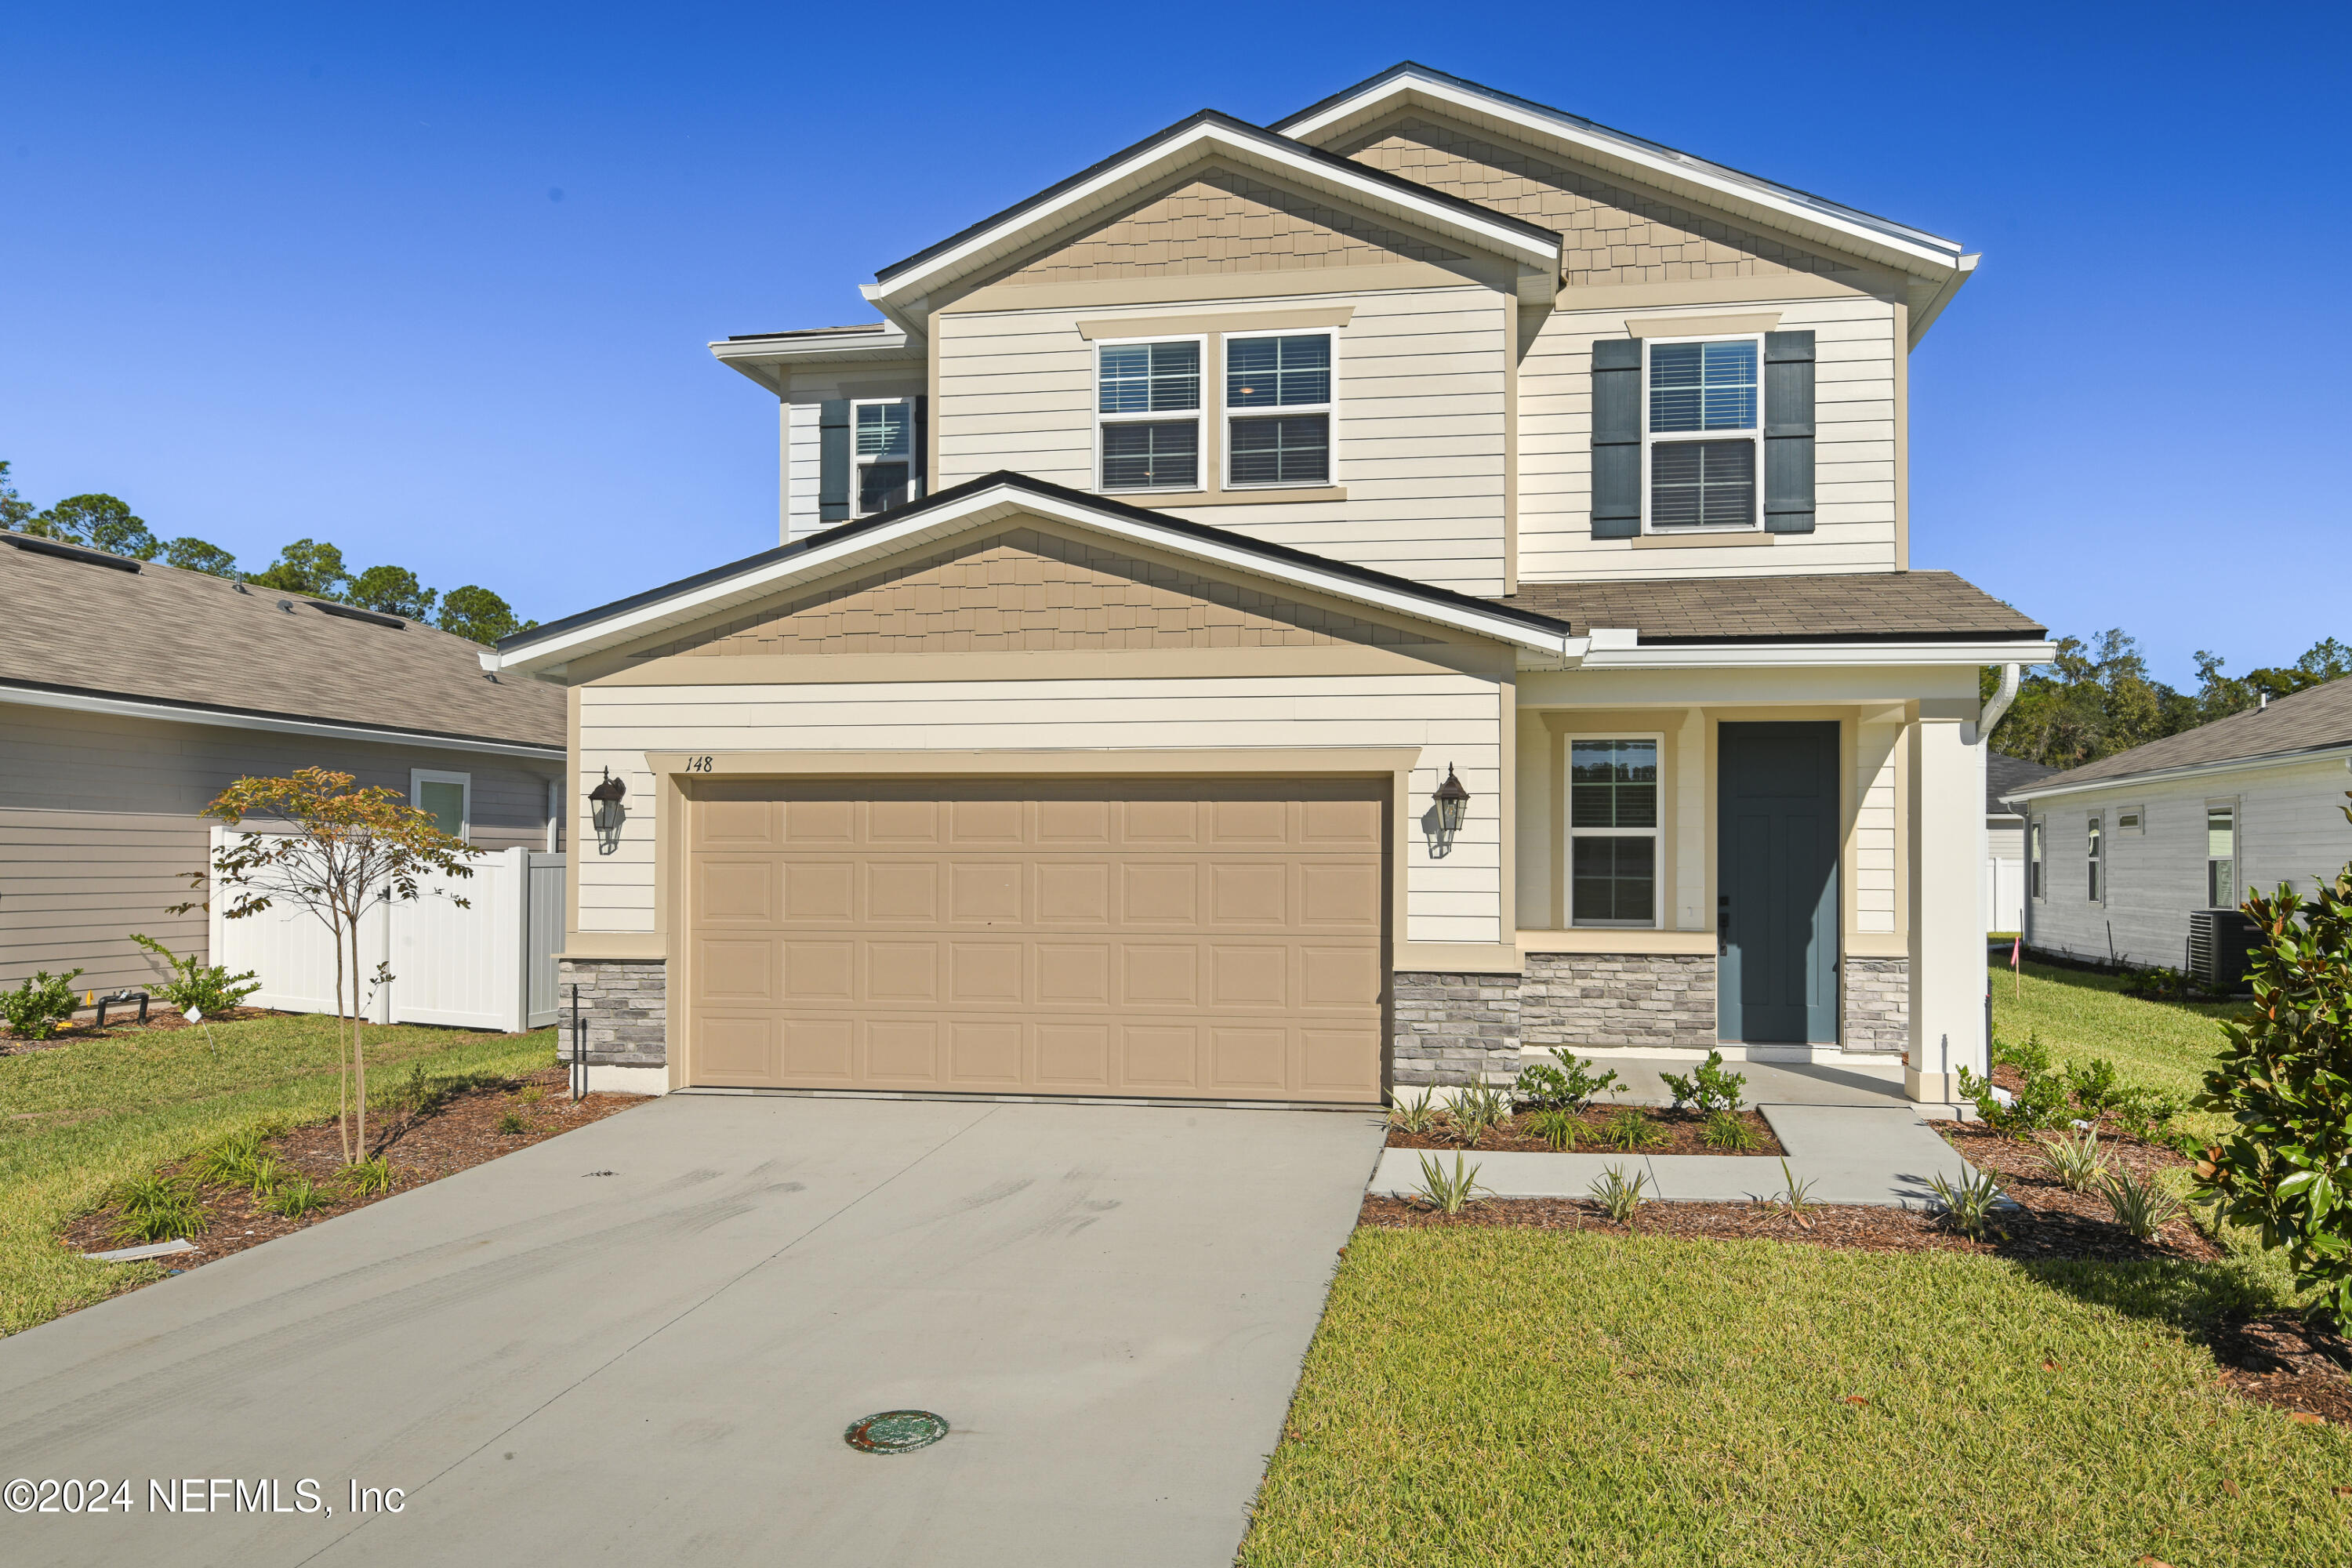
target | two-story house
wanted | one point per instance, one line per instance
(1292, 612)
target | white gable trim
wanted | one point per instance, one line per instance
(998, 503)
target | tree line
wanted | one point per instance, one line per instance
(2097, 698)
(311, 567)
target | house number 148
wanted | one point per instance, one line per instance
(697, 764)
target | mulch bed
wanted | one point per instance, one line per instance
(1679, 1134)
(2056, 1212)
(424, 1147)
(121, 1023)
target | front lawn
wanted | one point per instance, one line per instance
(2080, 1015)
(1515, 1397)
(79, 1118)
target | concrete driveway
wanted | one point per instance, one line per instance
(642, 1342)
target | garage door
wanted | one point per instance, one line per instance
(1218, 939)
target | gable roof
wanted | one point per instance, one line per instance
(1847, 607)
(90, 628)
(2004, 774)
(1719, 185)
(1098, 190)
(976, 503)
(2318, 720)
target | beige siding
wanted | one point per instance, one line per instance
(1878, 827)
(102, 817)
(1456, 717)
(2290, 829)
(1856, 348)
(1418, 443)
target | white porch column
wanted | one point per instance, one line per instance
(1947, 950)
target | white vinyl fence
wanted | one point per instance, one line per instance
(2003, 894)
(490, 965)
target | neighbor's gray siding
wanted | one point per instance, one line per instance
(2291, 828)
(102, 817)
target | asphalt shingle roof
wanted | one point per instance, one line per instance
(167, 636)
(2004, 774)
(1851, 607)
(2305, 722)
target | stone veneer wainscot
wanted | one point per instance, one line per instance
(1605, 1000)
(625, 1004)
(1449, 1028)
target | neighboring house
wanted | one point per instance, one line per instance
(2004, 866)
(131, 694)
(1195, 538)
(2120, 852)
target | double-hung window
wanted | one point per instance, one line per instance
(1702, 437)
(1147, 414)
(2221, 857)
(1613, 832)
(2093, 846)
(882, 445)
(1278, 409)
(2034, 887)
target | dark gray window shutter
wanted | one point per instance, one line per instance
(1616, 437)
(1788, 432)
(920, 482)
(833, 460)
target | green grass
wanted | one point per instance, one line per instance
(1523, 1397)
(2079, 1016)
(78, 1119)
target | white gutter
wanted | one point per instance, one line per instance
(175, 714)
(2005, 694)
(1796, 654)
(2189, 771)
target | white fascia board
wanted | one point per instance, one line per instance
(2187, 771)
(893, 343)
(1194, 143)
(175, 714)
(1666, 169)
(1798, 655)
(995, 504)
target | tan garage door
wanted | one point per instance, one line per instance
(1220, 939)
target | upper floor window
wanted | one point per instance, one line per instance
(883, 449)
(1147, 414)
(2221, 857)
(2094, 858)
(1613, 832)
(1278, 409)
(1703, 434)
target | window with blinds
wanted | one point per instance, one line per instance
(1612, 827)
(1703, 429)
(1279, 407)
(1147, 414)
(2221, 856)
(883, 449)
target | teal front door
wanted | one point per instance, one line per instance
(1777, 883)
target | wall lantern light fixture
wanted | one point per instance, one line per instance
(606, 800)
(1448, 808)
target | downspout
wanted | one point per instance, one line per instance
(1997, 704)
(1988, 717)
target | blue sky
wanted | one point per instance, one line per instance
(435, 284)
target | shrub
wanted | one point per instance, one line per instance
(2029, 1058)
(2285, 1077)
(367, 1178)
(2077, 1163)
(209, 988)
(2142, 1204)
(1416, 1116)
(36, 1008)
(2096, 1084)
(1541, 1088)
(1709, 1089)
(1618, 1198)
(1584, 1085)
(1558, 1128)
(1728, 1131)
(158, 1208)
(2040, 1102)
(1446, 1194)
(512, 1121)
(530, 1094)
(1631, 1131)
(296, 1199)
(1967, 1205)
(2147, 1113)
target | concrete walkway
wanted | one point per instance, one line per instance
(641, 1342)
(1852, 1153)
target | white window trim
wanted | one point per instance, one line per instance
(2096, 868)
(2235, 807)
(1199, 413)
(419, 777)
(860, 461)
(1328, 408)
(2037, 858)
(1649, 438)
(1570, 833)
(2137, 826)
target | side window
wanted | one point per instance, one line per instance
(2033, 885)
(1147, 414)
(883, 447)
(2092, 858)
(2221, 856)
(448, 797)
(1613, 832)
(1702, 437)
(1278, 409)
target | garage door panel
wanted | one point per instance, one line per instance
(1209, 937)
